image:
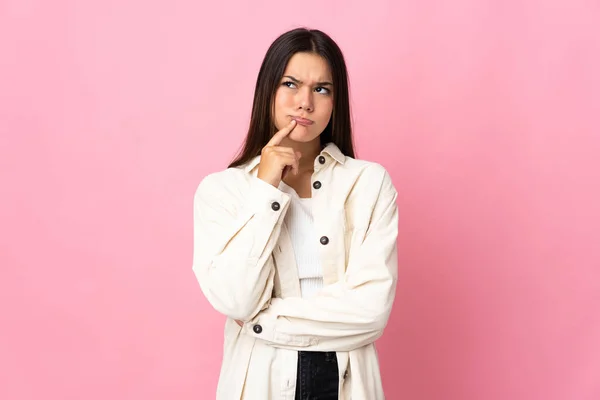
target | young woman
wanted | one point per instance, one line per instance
(295, 242)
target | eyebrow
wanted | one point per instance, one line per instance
(299, 81)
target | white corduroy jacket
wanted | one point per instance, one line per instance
(245, 266)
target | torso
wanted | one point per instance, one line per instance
(343, 211)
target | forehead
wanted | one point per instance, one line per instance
(308, 67)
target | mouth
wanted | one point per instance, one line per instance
(303, 121)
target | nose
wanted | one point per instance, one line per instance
(305, 99)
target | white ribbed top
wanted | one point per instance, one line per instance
(299, 220)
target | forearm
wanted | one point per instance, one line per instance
(232, 250)
(349, 313)
(341, 318)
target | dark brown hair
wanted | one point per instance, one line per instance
(261, 129)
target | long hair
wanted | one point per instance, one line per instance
(261, 129)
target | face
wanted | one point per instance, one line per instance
(305, 93)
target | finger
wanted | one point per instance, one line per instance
(275, 154)
(290, 159)
(297, 164)
(286, 170)
(278, 137)
(287, 159)
(283, 150)
(287, 163)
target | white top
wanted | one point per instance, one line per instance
(299, 220)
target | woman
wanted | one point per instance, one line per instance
(295, 242)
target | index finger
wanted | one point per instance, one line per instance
(278, 137)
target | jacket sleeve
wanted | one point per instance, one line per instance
(234, 236)
(352, 312)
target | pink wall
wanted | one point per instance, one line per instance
(485, 112)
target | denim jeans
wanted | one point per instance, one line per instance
(317, 376)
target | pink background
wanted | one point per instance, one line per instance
(485, 112)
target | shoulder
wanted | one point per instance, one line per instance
(222, 183)
(370, 175)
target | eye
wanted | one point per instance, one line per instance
(322, 90)
(289, 84)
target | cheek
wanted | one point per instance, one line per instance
(282, 101)
(326, 108)
(281, 109)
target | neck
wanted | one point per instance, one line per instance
(309, 150)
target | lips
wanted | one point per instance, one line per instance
(303, 121)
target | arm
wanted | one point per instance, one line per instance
(352, 312)
(234, 236)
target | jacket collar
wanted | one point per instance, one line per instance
(330, 149)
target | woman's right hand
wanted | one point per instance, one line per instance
(276, 161)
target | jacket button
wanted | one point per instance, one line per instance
(321, 159)
(275, 206)
(317, 185)
(257, 329)
(324, 240)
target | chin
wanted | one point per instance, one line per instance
(302, 135)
